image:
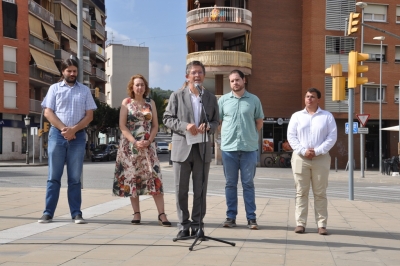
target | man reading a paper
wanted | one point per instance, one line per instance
(186, 117)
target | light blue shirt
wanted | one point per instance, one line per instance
(316, 131)
(238, 116)
(69, 104)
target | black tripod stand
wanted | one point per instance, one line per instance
(200, 232)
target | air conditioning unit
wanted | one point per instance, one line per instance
(86, 58)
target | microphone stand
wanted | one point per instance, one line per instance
(200, 232)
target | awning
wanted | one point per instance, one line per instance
(73, 46)
(65, 16)
(73, 19)
(74, 2)
(86, 31)
(394, 128)
(44, 62)
(50, 33)
(98, 16)
(35, 27)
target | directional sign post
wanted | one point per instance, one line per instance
(363, 118)
(355, 128)
(362, 130)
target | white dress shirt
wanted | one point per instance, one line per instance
(196, 105)
(317, 131)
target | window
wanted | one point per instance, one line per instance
(377, 13)
(398, 14)
(10, 94)
(371, 93)
(336, 13)
(396, 94)
(374, 52)
(10, 59)
(10, 14)
(337, 50)
(397, 56)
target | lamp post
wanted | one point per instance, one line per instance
(27, 120)
(381, 39)
(362, 5)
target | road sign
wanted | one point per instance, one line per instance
(363, 118)
(362, 130)
(355, 128)
(34, 131)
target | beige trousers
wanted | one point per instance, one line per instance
(314, 172)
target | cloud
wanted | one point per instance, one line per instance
(114, 36)
(158, 72)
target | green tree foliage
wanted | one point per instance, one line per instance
(160, 103)
(162, 93)
(104, 117)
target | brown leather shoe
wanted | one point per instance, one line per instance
(322, 231)
(299, 229)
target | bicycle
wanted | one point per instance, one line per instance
(275, 160)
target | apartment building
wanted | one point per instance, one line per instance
(123, 62)
(33, 48)
(284, 47)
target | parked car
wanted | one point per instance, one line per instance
(162, 147)
(105, 152)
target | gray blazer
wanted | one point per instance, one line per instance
(179, 113)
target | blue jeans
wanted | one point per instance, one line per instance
(246, 162)
(71, 153)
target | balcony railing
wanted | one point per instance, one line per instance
(98, 73)
(71, 5)
(226, 14)
(41, 75)
(86, 80)
(35, 106)
(59, 26)
(41, 12)
(99, 50)
(41, 44)
(100, 5)
(102, 97)
(87, 67)
(222, 58)
(98, 27)
(86, 17)
(61, 54)
(10, 67)
(87, 43)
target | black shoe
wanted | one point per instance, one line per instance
(79, 220)
(136, 222)
(252, 224)
(183, 233)
(195, 231)
(166, 223)
(229, 222)
(45, 219)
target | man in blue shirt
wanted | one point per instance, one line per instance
(68, 106)
(241, 117)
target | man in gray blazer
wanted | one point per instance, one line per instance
(185, 117)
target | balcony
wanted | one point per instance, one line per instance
(61, 27)
(87, 43)
(98, 74)
(41, 12)
(41, 44)
(223, 61)
(98, 27)
(100, 53)
(71, 5)
(87, 67)
(102, 97)
(86, 17)
(10, 67)
(100, 5)
(35, 106)
(86, 80)
(226, 14)
(61, 54)
(41, 77)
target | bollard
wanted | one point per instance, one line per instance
(169, 151)
(336, 164)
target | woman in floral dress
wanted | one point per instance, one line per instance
(137, 168)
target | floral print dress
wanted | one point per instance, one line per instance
(137, 172)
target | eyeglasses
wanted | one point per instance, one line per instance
(193, 73)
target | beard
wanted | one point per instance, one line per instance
(70, 79)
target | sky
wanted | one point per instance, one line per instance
(159, 25)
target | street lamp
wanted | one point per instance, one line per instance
(381, 39)
(362, 5)
(27, 120)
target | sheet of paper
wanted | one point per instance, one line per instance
(190, 139)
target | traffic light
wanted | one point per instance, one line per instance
(40, 132)
(46, 126)
(352, 27)
(338, 82)
(355, 69)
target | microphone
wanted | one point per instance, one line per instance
(199, 89)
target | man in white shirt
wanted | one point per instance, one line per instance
(311, 133)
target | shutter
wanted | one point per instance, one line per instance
(336, 13)
(334, 106)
